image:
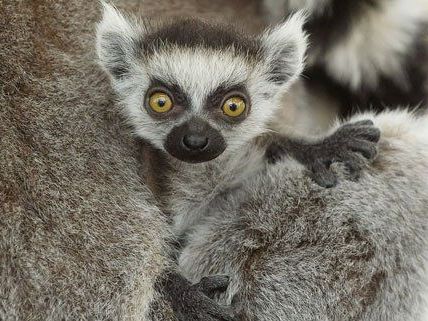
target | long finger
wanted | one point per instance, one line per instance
(365, 148)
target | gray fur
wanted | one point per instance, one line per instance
(80, 236)
(50, 130)
(295, 251)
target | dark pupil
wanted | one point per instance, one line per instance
(161, 102)
(233, 107)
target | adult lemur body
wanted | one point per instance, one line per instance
(293, 250)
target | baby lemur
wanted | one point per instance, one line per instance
(203, 94)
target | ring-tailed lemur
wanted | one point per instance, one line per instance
(68, 252)
(365, 54)
(203, 94)
(337, 254)
(200, 92)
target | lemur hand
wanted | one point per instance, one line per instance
(351, 144)
(194, 302)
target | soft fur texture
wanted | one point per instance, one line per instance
(280, 229)
(198, 66)
(299, 252)
(80, 236)
(294, 251)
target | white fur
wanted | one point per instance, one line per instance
(289, 41)
(398, 124)
(114, 21)
(125, 31)
(199, 71)
(377, 44)
(404, 130)
(424, 301)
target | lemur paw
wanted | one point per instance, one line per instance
(194, 302)
(352, 144)
(213, 284)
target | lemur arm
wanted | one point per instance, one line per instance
(347, 144)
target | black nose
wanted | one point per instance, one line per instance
(195, 142)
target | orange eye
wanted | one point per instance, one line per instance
(234, 106)
(160, 102)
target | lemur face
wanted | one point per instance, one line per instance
(197, 90)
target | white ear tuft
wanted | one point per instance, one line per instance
(116, 41)
(284, 48)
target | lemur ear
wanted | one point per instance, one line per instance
(117, 39)
(284, 48)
